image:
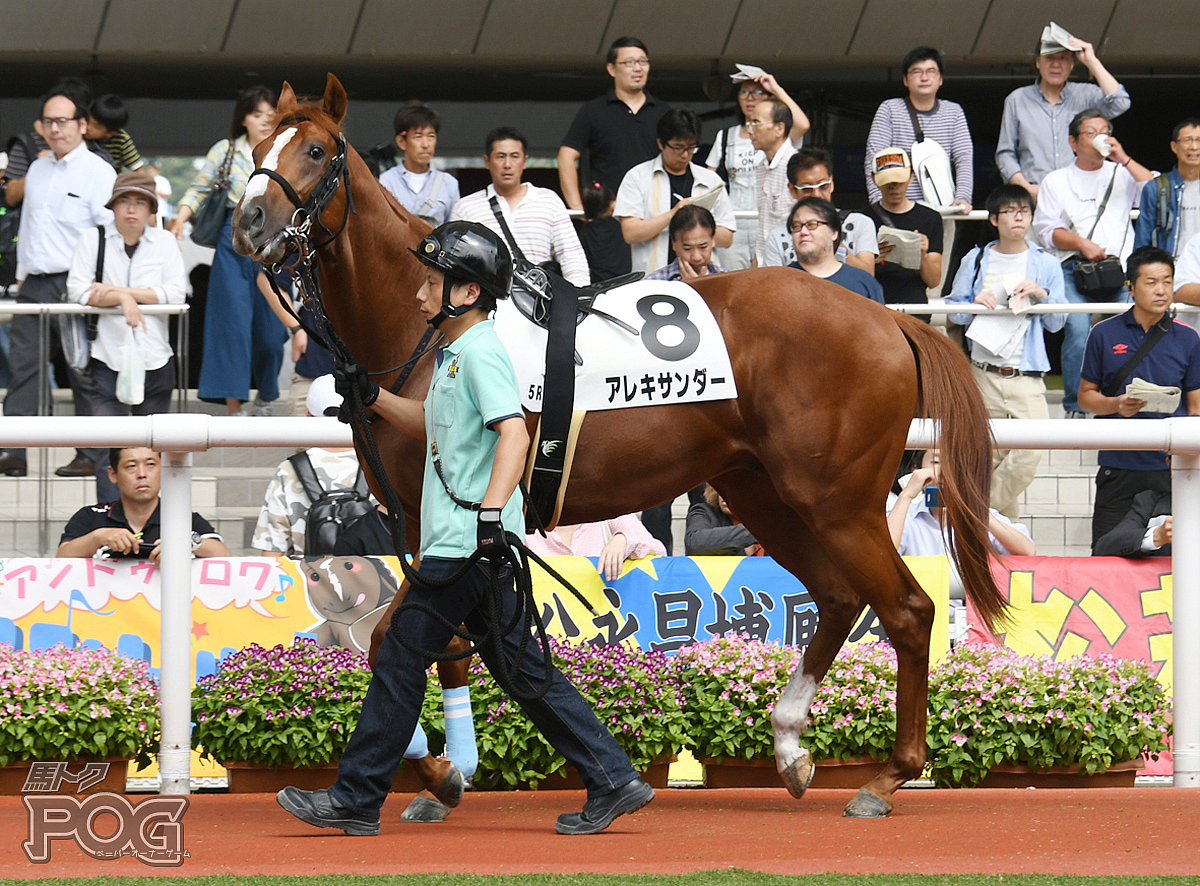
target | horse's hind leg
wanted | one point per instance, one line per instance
(790, 542)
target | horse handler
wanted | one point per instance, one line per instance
(473, 420)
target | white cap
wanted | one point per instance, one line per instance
(322, 397)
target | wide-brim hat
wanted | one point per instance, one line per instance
(141, 183)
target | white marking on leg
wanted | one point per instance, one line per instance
(258, 185)
(790, 716)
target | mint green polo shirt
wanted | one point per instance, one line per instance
(473, 387)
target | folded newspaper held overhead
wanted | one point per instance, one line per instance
(1159, 398)
(746, 72)
(1056, 38)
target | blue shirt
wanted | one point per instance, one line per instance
(1174, 360)
(399, 181)
(473, 387)
(855, 280)
(1040, 267)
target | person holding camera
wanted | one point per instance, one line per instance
(1082, 218)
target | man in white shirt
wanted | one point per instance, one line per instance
(535, 217)
(770, 124)
(1074, 223)
(65, 194)
(652, 192)
(427, 193)
(147, 261)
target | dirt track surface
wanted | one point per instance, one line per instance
(1120, 831)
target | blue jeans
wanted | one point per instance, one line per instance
(393, 703)
(1076, 334)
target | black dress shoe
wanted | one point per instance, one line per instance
(79, 466)
(317, 809)
(599, 812)
(12, 465)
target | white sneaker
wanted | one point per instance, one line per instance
(261, 407)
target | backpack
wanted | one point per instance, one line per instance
(331, 510)
(10, 220)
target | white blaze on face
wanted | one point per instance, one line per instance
(258, 185)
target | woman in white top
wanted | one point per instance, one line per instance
(741, 162)
(612, 542)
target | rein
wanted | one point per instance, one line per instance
(305, 271)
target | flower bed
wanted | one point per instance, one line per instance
(636, 694)
(286, 706)
(76, 704)
(991, 707)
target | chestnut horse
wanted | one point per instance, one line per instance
(828, 383)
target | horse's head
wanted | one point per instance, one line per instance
(304, 155)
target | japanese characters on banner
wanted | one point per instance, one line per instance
(660, 603)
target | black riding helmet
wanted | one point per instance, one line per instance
(466, 251)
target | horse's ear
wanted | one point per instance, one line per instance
(335, 98)
(287, 101)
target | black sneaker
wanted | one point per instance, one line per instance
(599, 812)
(317, 809)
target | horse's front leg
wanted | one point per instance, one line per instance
(790, 717)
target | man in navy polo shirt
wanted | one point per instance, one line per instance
(616, 129)
(1173, 361)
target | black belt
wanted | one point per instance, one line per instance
(1006, 371)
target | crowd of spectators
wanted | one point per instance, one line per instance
(1061, 220)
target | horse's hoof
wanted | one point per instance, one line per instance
(425, 809)
(798, 774)
(867, 805)
(450, 792)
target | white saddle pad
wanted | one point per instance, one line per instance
(677, 356)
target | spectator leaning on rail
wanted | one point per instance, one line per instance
(1109, 364)
(65, 193)
(1008, 352)
(130, 525)
(810, 174)
(942, 121)
(1033, 131)
(1083, 215)
(427, 193)
(616, 129)
(535, 217)
(142, 266)
(1169, 210)
(652, 192)
(892, 173)
(816, 228)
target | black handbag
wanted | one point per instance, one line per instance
(1103, 276)
(209, 219)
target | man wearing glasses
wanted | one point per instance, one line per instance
(809, 175)
(816, 228)
(1170, 205)
(616, 129)
(940, 120)
(1076, 222)
(1008, 350)
(652, 192)
(65, 195)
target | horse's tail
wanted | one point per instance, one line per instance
(947, 393)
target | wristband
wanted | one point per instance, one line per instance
(1127, 162)
(292, 330)
(489, 515)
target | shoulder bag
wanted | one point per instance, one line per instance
(77, 331)
(209, 220)
(1105, 275)
(931, 165)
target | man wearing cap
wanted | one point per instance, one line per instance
(147, 261)
(1033, 131)
(284, 516)
(65, 194)
(892, 174)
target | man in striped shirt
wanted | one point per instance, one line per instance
(940, 120)
(536, 218)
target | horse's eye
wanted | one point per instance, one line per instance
(316, 152)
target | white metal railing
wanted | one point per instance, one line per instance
(179, 435)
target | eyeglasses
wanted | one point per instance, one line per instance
(631, 63)
(1092, 133)
(60, 122)
(752, 93)
(811, 225)
(751, 124)
(921, 73)
(1190, 140)
(1016, 212)
(682, 150)
(820, 186)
